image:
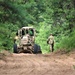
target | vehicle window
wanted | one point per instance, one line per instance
(31, 32)
(26, 31)
(23, 33)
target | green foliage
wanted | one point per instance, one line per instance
(67, 42)
(42, 37)
(6, 38)
(47, 16)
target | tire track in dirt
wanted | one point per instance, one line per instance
(34, 63)
(37, 64)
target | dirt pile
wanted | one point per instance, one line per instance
(37, 64)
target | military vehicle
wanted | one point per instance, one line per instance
(24, 41)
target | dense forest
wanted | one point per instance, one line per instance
(46, 16)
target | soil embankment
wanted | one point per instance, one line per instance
(37, 64)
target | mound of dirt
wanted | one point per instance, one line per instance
(37, 64)
(5, 54)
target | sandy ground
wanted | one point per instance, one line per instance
(37, 64)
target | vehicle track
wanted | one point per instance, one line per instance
(37, 64)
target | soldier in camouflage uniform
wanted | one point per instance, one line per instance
(16, 39)
(50, 41)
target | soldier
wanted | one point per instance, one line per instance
(50, 41)
(16, 37)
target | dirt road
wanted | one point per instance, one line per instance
(37, 64)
